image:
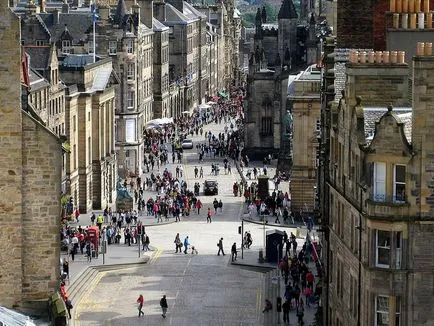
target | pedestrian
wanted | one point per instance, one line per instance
(216, 205)
(208, 215)
(234, 251)
(201, 172)
(186, 244)
(140, 301)
(220, 245)
(286, 307)
(196, 171)
(99, 221)
(198, 206)
(163, 305)
(178, 243)
(69, 306)
(220, 205)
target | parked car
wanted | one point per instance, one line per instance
(187, 144)
(210, 187)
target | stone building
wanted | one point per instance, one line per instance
(91, 114)
(30, 169)
(362, 23)
(270, 63)
(378, 195)
(305, 106)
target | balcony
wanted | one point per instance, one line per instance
(388, 206)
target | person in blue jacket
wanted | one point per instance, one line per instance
(186, 244)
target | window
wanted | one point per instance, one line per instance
(266, 126)
(90, 47)
(66, 46)
(130, 130)
(113, 47)
(379, 181)
(40, 42)
(382, 248)
(130, 46)
(130, 71)
(381, 310)
(130, 100)
(398, 311)
(398, 250)
(74, 126)
(399, 183)
(89, 149)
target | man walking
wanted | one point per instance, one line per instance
(220, 245)
(163, 305)
(234, 251)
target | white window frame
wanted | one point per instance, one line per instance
(113, 47)
(131, 71)
(398, 249)
(385, 246)
(66, 46)
(129, 44)
(90, 47)
(382, 312)
(130, 130)
(379, 181)
(395, 183)
(130, 99)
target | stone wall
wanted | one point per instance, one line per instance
(42, 164)
(11, 170)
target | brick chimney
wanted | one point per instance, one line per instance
(422, 125)
(379, 78)
(146, 12)
(178, 4)
(160, 11)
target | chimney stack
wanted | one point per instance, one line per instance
(160, 11)
(146, 12)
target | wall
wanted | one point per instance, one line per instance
(11, 171)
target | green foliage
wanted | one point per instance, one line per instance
(272, 12)
(249, 19)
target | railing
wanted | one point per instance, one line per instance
(388, 199)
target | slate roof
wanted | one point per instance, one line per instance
(287, 10)
(175, 16)
(192, 12)
(101, 79)
(39, 56)
(374, 114)
(77, 60)
(36, 81)
(158, 26)
(78, 24)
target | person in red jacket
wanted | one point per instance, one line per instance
(140, 301)
(310, 279)
(198, 206)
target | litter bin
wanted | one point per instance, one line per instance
(274, 240)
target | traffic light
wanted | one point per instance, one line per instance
(239, 230)
(278, 304)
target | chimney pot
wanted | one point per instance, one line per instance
(404, 21)
(398, 6)
(429, 20)
(371, 57)
(428, 48)
(404, 5)
(378, 56)
(411, 6)
(386, 57)
(426, 6)
(395, 20)
(417, 5)
(421, 20)
(420, 48)
(413, 21)
(393, 57)
(363, 57)
(401, 57)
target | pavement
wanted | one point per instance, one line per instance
(104, 293)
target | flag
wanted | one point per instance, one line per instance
(93, 10)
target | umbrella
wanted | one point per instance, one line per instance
(211, 103)
(204, 106)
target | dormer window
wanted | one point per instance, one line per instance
(130, 46)
(66, 46)
(113, 46)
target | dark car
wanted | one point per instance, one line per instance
(210, 187)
